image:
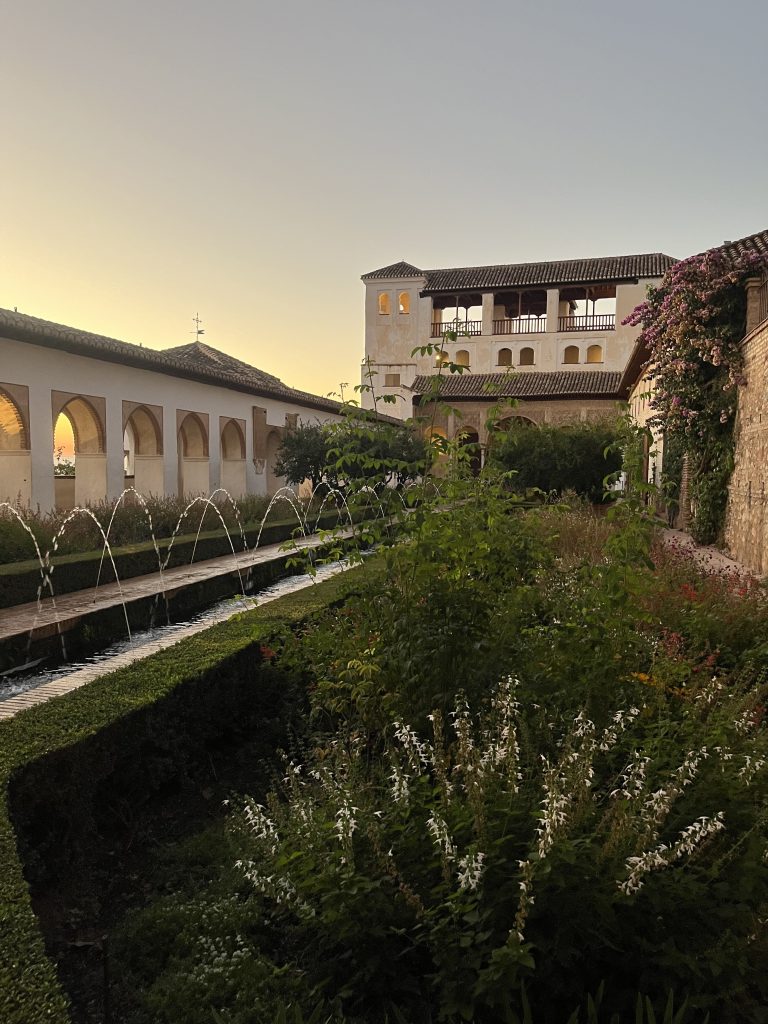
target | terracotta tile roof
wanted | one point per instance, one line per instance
(194, 361)
(757, 243)
(200, 356)
(400, 269)
(533, 386)
(523, 275)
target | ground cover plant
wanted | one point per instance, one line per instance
(532, 788)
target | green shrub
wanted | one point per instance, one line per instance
(572, 457)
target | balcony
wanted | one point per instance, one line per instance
(525, 325)
(591, 322)
(460, 327)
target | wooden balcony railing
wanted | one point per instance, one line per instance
(594, 322)
(465, 327)
(521, 325)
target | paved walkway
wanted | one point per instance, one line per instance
(52, 614)
(708, 557)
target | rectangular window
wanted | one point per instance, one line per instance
(391, 380)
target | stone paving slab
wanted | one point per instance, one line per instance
(22, 619)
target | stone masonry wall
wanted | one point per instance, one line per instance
(746, 529)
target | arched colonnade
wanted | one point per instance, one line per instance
(79, 462)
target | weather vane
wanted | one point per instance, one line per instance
(197, 331)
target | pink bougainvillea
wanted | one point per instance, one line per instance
(693, 324)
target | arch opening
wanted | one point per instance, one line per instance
(13, 434)
(527, 356)
(194, 437)
(232, 441)
(193, 456)
(469, 438)
(79, 459)
(504, 357)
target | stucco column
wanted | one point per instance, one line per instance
(553, 310)
(214, 453)
(114, 444)
(41, 443)
(488, 302)
(170, 451)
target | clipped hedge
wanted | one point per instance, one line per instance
(19, 581)
(61, 758)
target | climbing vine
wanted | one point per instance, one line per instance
(692, 325)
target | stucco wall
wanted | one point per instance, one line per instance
(16, 478)
(233, 476)
(746, 530)
(148, 474)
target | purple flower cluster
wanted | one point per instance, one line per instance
(692, 326)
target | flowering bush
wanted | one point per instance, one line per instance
(512, 850)
(693, 324)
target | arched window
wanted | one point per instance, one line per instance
(441, 357)
(13, 436)
(571, 354)
(143, 431)
(526, 356)
(384, 303)
(232, 441)
(404, 302)
(82, 425)
(193, 437)
(595, 354)
(505, 357)
(462, 357)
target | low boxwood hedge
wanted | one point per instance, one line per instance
(19, 581)
(59, 760)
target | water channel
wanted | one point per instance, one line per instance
(142, 644)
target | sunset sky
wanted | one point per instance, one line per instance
(250, 160)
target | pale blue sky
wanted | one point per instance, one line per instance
(250, 161)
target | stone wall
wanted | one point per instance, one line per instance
(746, 530)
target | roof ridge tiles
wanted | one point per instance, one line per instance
(547, 263)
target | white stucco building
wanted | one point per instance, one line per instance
(533, 318)
(185, 420)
